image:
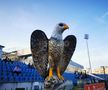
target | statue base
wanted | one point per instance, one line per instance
(55, 84)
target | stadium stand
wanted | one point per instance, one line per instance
(27, 74)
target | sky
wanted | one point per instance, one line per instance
(19, 18)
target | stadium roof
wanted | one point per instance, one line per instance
(96, 76)
(76, 64)
(2, 46)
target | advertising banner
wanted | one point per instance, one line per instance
(96, 86)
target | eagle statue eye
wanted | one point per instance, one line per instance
(61, 24)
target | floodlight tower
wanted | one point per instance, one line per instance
(86, 37)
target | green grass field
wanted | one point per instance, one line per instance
(76, 88)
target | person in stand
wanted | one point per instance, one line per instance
(6, 59)
(17, 70)
(30, 65)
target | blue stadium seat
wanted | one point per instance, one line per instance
(10, 78)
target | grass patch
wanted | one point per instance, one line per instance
(76, 88)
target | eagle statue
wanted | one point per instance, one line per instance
(52, 56)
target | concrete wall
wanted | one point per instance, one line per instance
(26, 85)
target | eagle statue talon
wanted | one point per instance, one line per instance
(59, 75)
(54, 52)
(50, 74)
(49, 78)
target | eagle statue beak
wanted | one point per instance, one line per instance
(65, 27)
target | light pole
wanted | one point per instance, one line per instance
(104, 72)
(86, 37)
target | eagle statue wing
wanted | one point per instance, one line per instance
(39, 49)
(69, 48)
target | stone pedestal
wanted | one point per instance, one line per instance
(55, 84)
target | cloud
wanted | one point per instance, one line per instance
(103, 18)
(105, 15)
